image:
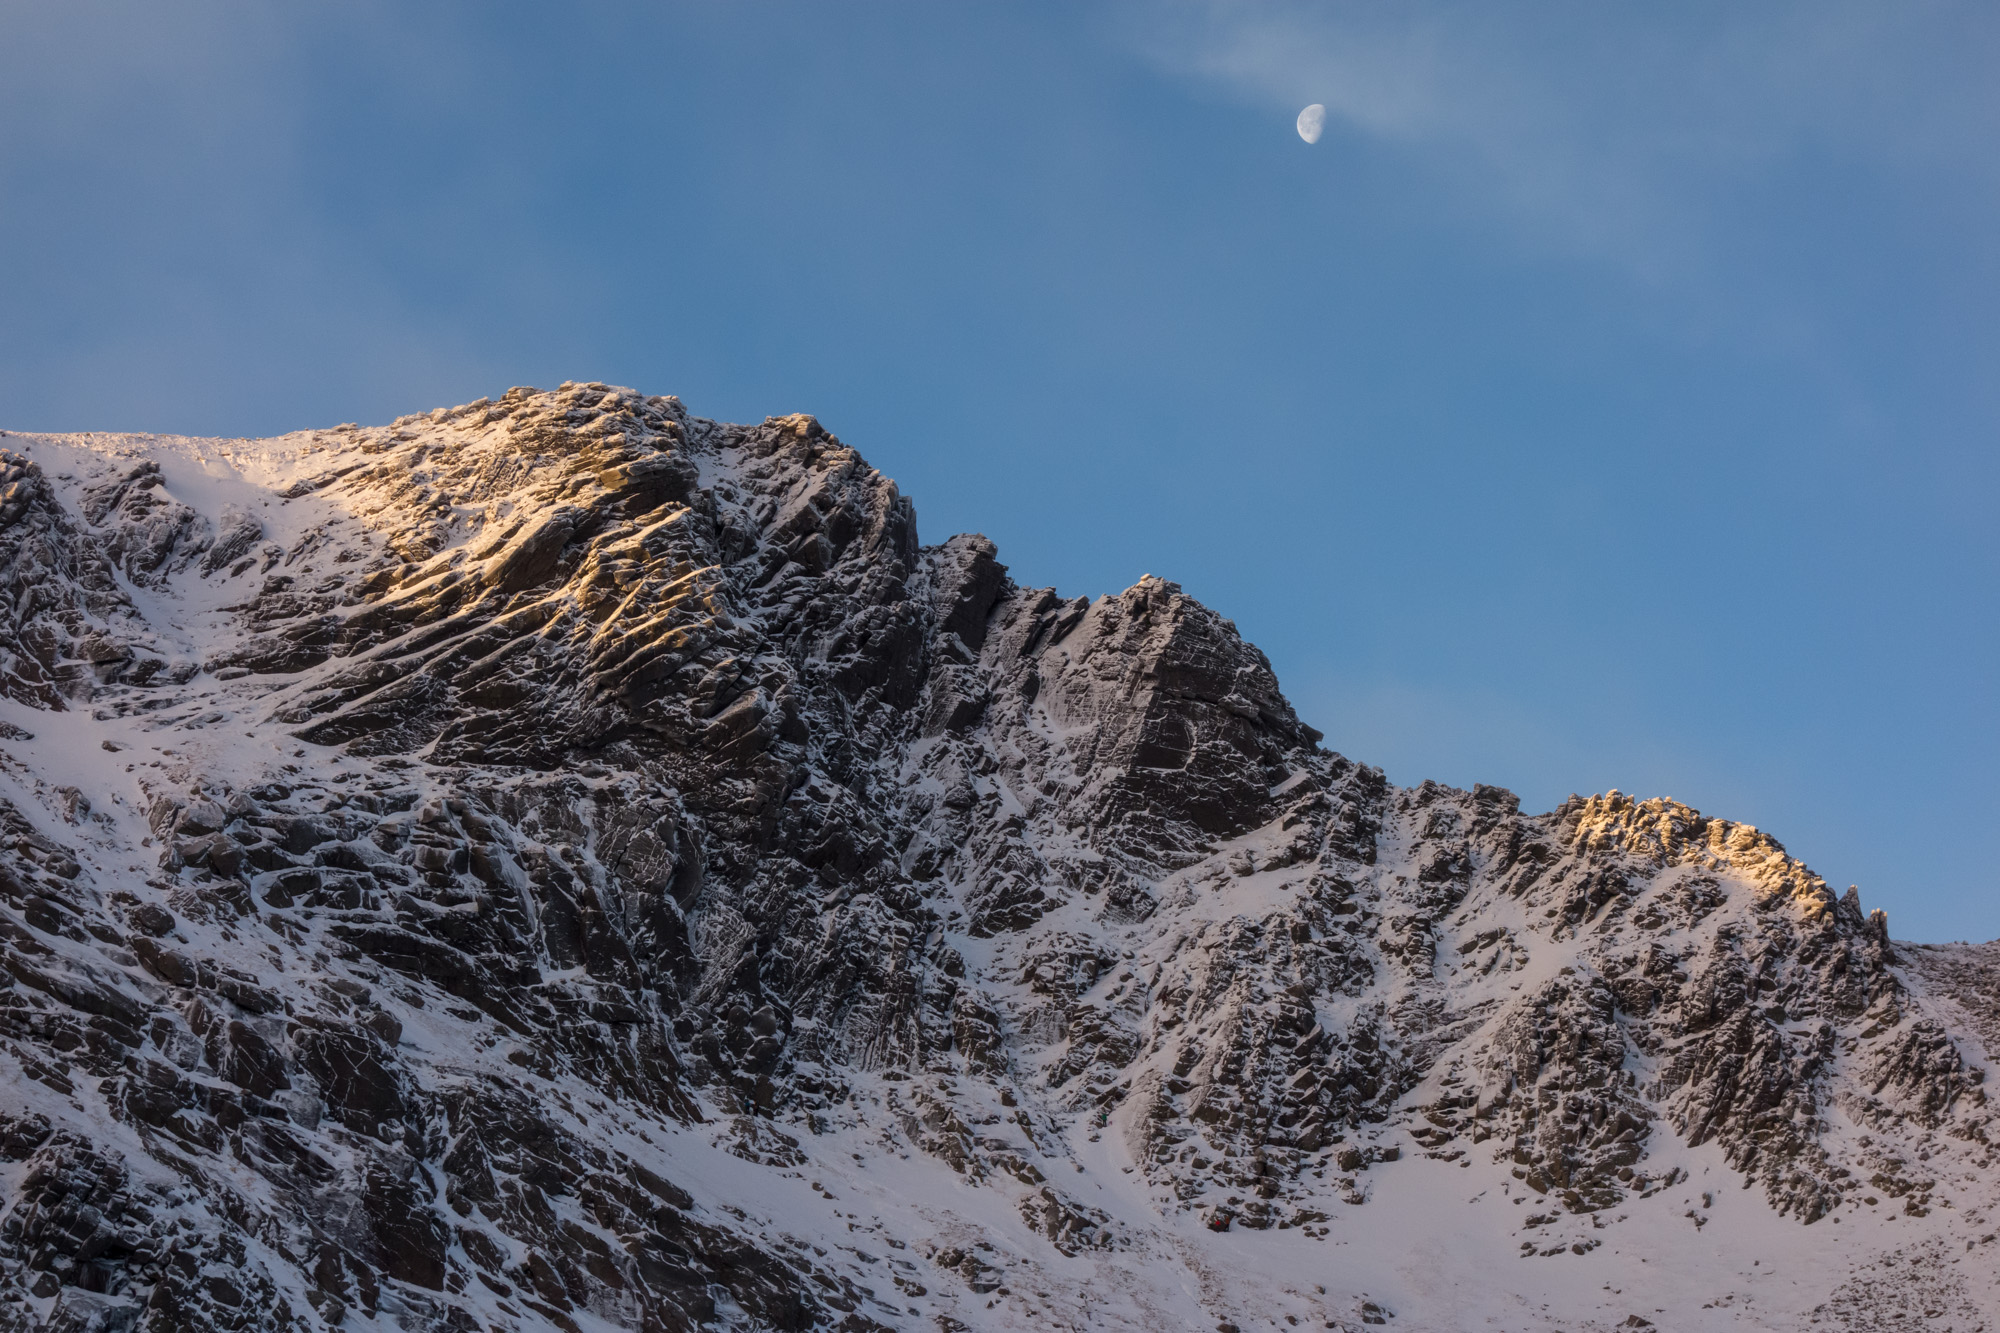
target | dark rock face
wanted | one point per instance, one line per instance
(69, 627)
(564, 773)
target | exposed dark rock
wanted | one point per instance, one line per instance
(575, 776)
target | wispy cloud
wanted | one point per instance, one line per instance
(1616, 129)
(166, 190)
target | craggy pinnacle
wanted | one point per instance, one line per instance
(486, 799)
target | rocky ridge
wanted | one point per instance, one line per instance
(485, 872)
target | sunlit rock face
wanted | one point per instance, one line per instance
(560, 862)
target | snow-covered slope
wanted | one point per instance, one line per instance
(563, 863)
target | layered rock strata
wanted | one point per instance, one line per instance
(412, 835)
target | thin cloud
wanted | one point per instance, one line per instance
(1618, 131)
(163, 188)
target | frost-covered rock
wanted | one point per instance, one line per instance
(560, 862)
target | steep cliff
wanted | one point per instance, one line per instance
(563, 863)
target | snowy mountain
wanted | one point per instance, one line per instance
(563, 863)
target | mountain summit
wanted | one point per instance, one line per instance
(563, 863)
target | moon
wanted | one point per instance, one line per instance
(1311, 121)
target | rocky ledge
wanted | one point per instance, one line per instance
(479, 872)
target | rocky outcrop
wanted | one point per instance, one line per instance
(558, 778)
(66, 626)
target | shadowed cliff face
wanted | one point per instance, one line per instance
(422, 839)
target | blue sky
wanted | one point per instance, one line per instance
(1608, 399)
